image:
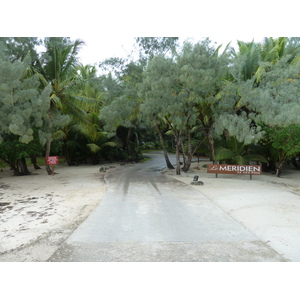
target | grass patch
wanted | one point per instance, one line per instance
(40, 161)
(150, 150)
(146, 158)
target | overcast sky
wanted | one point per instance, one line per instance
(109, 28)
(98, 48)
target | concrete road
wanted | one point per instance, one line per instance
(147, 216)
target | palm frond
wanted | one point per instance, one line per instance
(56, 101)
(93, 148)
(255, 157)
(222, 153)
(88, 103)
(59, 135)
(240, 160)
(110, 144)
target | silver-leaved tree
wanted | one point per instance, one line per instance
(23, 107)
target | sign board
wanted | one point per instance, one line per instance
(235, 169)
(52, 160)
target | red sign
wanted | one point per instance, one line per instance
(52, 160)
(235, 169)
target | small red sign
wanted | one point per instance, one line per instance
(52, 160)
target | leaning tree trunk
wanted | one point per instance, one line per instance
(177, 136)
(169, 165)
(12, 167)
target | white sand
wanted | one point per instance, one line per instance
(267, 205)
(44, 210)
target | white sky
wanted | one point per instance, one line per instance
(97, 49)
(109, 28)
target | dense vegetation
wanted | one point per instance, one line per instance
(235, 105)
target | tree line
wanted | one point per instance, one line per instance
(234, 105)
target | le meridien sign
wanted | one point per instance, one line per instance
(235, 169)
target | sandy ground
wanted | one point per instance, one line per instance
(267, 205)
(38, 212)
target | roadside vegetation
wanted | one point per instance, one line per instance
(233, 105)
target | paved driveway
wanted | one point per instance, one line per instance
(148, 216)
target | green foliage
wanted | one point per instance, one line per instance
(237, 153)
(17, 48)
(284, 139)
(22, 105)
(153, 46)
(247, 61)
(12, 151)
(191, 94)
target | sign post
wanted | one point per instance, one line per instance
(235, 169)
(52, 161)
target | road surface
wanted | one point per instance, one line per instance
(147, 216)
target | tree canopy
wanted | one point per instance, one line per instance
(188, 97)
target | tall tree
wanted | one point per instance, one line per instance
(268, 98)
(120, 114)
(161, 99)
(22, 105)
(58, 66)
(17, 48)
(202, 71)
(153, 46)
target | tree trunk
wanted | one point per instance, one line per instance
(67, 154)
(12, 167)
(183, 153)
(177, 158)
(280, 167)
(211, 145)
(177, 136)
(23, 167)
(128, 141)
(169, 165)
(48, 144)
(48, 147)
(188, 160)
(187, 164)
(33, 161)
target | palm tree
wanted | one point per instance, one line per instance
(58, 65)
(238, 153)
(246, 60)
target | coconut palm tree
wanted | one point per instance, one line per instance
(58, 65)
